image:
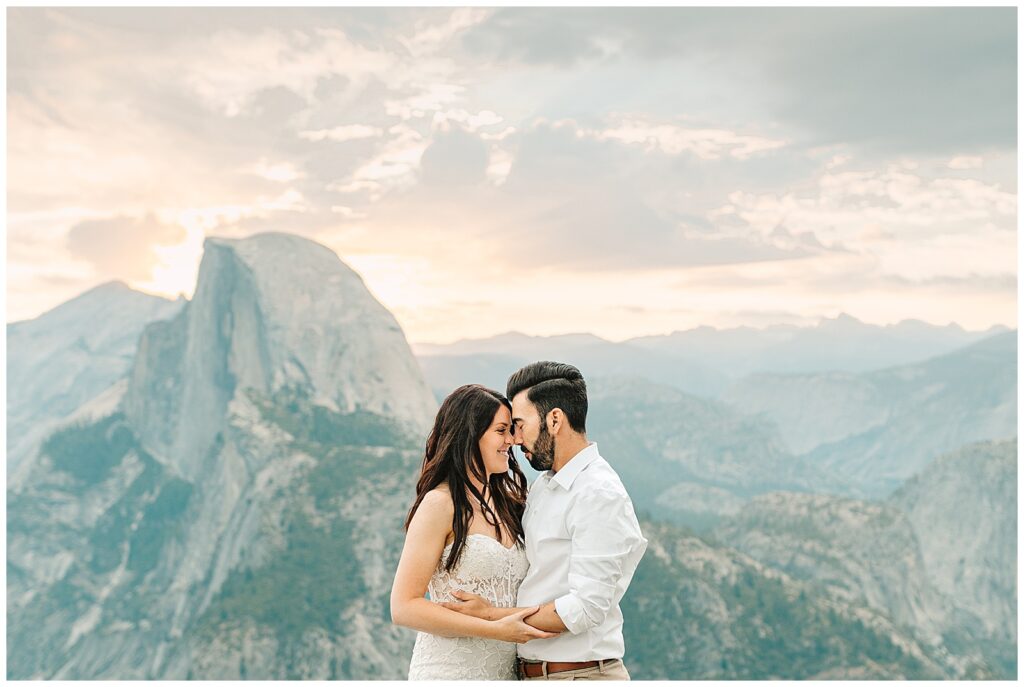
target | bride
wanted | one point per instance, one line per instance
(464, 532)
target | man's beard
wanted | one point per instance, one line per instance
(543, 455)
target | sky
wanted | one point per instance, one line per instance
(623, 172)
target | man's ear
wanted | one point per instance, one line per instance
(555, 419)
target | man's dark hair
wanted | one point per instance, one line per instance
(553, 385)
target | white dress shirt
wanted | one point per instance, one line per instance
(583, 543)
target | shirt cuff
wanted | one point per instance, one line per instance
(570, 610)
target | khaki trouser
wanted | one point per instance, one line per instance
(613, 671)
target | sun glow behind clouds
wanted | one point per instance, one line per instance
(456, 179)
(178, 266)
(397, 281)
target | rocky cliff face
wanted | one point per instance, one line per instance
(938, 557)
(720, 614)
(270, 312)
(963, 509)
(864, 551)
(238, 512)
(68, 356)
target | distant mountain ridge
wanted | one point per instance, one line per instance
(843, 343)
(69, 355)
(688, 459)
(494, 359)
(932, 407)
(816, 408)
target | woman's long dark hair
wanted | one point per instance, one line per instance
(453, 453)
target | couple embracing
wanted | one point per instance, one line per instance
(523, 583)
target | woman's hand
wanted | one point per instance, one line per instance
(513, 627)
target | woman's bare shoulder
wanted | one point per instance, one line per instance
(439, 500)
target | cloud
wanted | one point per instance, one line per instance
(596, 149)
(427, 98)
(394, 165)
(281, 172)
(454, 158)
(226, 70)
(1006, 282)
(122, 247)
(348, 132)
(707, 144)
(537, 36)
(469, 121)
(430, 36)
(593, 201)
(568, 202)
(889, 80)
(966, 162)
(868, 206)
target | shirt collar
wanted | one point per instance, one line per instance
(571, 470)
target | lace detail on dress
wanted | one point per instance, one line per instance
(494, 572)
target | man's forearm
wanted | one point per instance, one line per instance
(547, 619)
(544, 619)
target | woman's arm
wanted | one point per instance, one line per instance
(546, 618)
(424, 544)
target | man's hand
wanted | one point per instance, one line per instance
(470, 604)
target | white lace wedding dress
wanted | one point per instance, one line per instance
(494, 572)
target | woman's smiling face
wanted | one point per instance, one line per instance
(496, 442)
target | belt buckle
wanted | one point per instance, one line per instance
(523, 663)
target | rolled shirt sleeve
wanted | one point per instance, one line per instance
(606, 545)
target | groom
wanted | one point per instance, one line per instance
(583, 541)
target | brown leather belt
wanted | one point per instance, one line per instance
(536, 669)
